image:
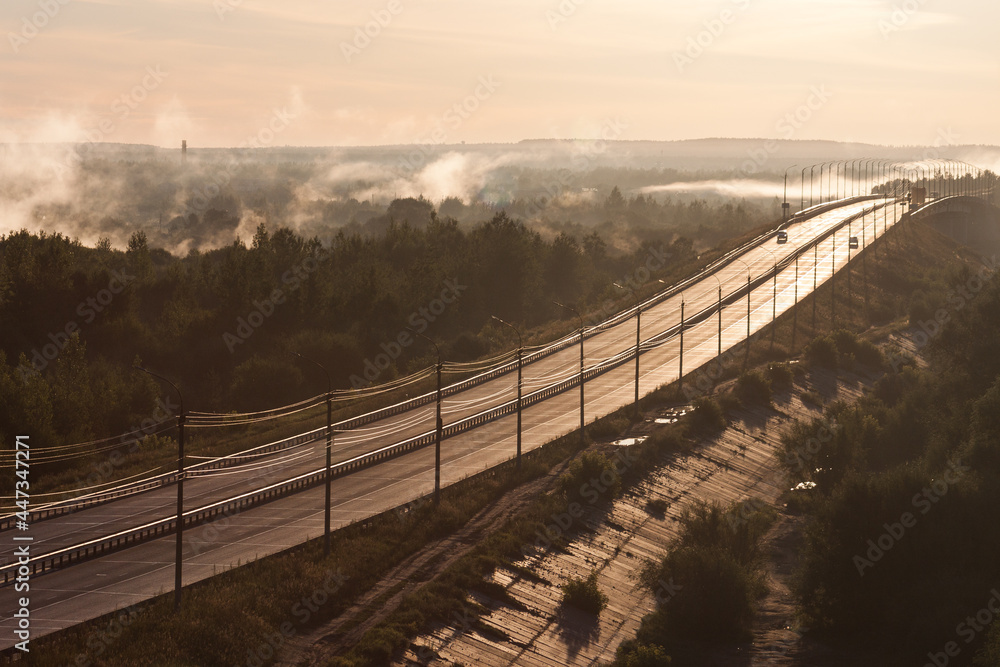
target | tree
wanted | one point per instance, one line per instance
(137, 256)
(615, 202)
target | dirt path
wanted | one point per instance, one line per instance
(777, 635)
(340, 633)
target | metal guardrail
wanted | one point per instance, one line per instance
(74, 554)
(194, 517)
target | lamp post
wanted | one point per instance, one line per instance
(848, 267)
(854, 180)
(774, 292)
(868, 176)
(744, 263)
(520, 359)
(833, 281)
(583, 434)
(864, 248)
(746, 357)
(638, 323)
(815, 281)
(719, 308)
(795, 309)
(179, 555)
(802, 189)
(821, 167)
(811, 167)
(329, 448)
(680, 357)
(439, 427)
(784, 204)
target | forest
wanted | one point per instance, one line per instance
(223, 323)
(901, 550)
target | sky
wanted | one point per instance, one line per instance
(374, 72)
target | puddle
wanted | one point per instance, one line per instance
(673, 414)
(628, 442)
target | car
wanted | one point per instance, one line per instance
(853, 243)
(782, 237)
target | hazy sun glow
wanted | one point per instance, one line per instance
(398, 71)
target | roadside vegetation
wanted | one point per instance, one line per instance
(716, 569)
(585, 595)
(901, 547)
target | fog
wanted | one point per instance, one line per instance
(94, 190)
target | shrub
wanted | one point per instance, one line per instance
(865, 352)
(591, 472)
(585, 595)
(716, 571)
(812, 397)
(609, 427)
(658, 506)
(717, 566)
(633, 654)
(990, 654)
(753, 387)
(708, 415)
(822, 352)
(780, 375)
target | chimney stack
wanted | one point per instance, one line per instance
(184, 151)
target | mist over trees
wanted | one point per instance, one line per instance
(89, 192)
(74, 319)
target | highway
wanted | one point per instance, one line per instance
(73, 594)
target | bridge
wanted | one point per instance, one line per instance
(118, 546)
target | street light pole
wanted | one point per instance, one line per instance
(749, 312)
(784, 204)
(774, 293)
(329, 448)
(833, 283)
(811, 185)
(179, 551)
(638, 324)
(815, 296)
(864, 251)
(795, 308)
(680, 369)
(583, 434)
(520, 360)
(719, 307)
(440, 424)
(802, 189)
(848, 267)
